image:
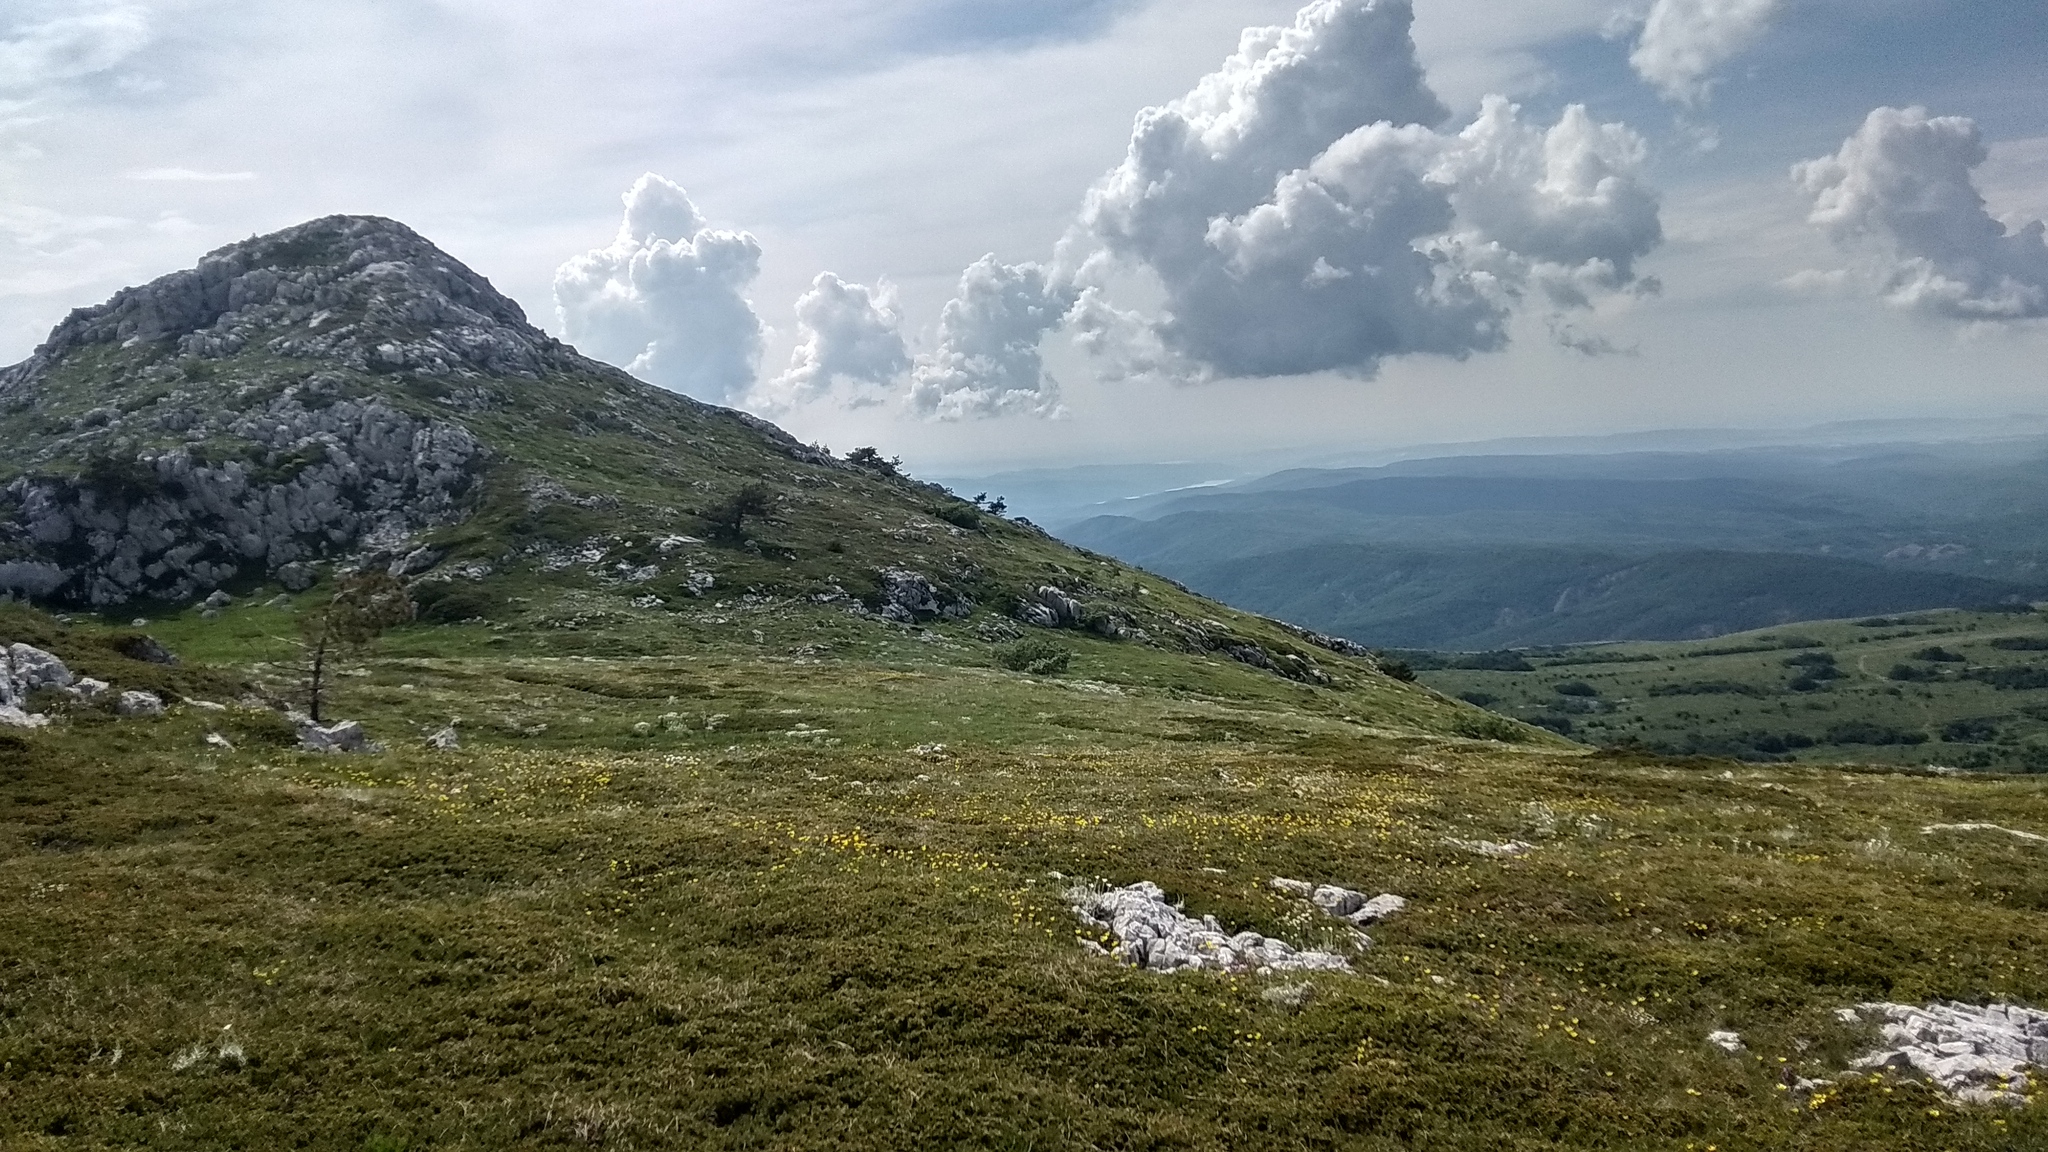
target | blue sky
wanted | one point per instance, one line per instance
(848, 164)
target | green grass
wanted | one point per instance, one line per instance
(1739, 696)
(761, 936)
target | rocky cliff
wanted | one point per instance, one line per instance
(248, 415)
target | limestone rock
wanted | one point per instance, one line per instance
(446, 739)
(219, 599)
(1153, 934)
(23, 670)
(1978, 1054)
(297, 576)
(1298, 888)
(909, 597)
(138, 704)
(1729, 1042)
(347, 736)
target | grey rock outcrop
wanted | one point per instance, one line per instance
(24, 670)
(908, 597)
(1153, 934)
(1978, 1054)
(347, 736)
(320, 475)
(1342, 903)
(1049, 607)
(139, 704)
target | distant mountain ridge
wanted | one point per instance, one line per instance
(1491, 551)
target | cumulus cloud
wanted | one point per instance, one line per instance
(69, 48)
(666, 299)
(987, 362)
(1683, 41)
(1303, 211)
(1901, 190)
(848, 334)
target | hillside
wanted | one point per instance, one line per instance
(687, 833)
(1473, 599)
(1939, 689)
(1484, 551)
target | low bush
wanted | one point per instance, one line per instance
(1036, 655)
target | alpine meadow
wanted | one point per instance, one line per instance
(1483, 599)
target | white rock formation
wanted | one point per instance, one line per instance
(1153, 934)
(1979, 1055)
(1729, 1042)
(23, 670)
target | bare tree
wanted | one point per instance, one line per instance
(363, 606)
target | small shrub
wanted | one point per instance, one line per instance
(1908, 674)
(959, 516)
(1398, 670)
(1479, 699)
(1877, 735)
(1562, 725)
(2021, 643)
(1938, 655)
(1036, 655)
(449, 603)
(870, 460)
(1577, 688)
(1812, 660)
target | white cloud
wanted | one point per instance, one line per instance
(848, 334)
(1901, 191)
(1302, 213)
(1683, 41)
(186, 176)
(987, 362)
(34, 57)
(666, 299)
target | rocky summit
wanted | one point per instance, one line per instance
(294, 398)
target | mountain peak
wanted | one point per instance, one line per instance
(365, 292)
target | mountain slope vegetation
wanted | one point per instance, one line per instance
(728, 794)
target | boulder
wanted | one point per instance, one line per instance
(23, 670)
(416, 561)
(446, 739)
(909, 597)
(88, 688)
(347, 736)
(1050, 608)
(218, 600)
(138, 704)
(297, 576)
(145, 649)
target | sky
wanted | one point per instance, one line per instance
(990, 234)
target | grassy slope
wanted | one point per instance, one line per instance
(788, 931)
(1716, 696)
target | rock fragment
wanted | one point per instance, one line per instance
(139, 704)
(446, 739)
(24, 670)
(1729, 1042)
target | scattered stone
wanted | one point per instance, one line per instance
(1729, 1042)
(1506, 850)
(1848, 1016)
(204, 705)
(297, 576)
(698, 583)
(2031, 837)
(218, 600)
(1154, 935)
(216, 740)
(1339, 902)
(447, 739)
(209, 613)
(344, 737)
(1979, 1055)
(278, 602)
(145, 649)
(910, 597)
(137, 704)
(1301, 888)
(89, 688)
(930, 751)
